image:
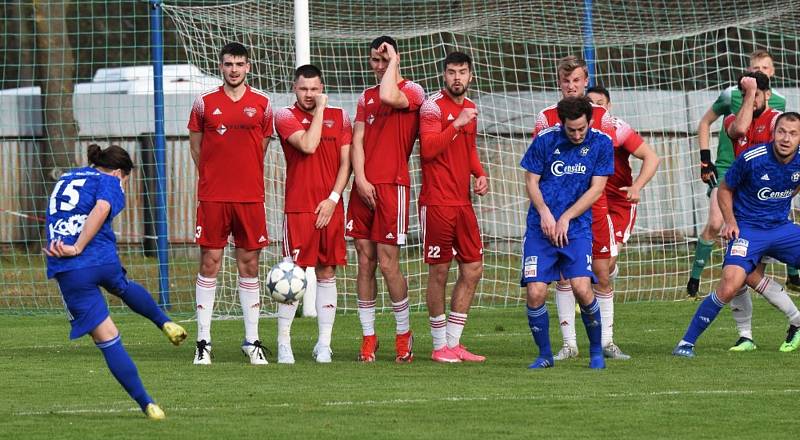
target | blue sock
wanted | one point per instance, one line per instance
(124, 370)
(141, 302)
(539, 322)
(705, 314)
(590, 314)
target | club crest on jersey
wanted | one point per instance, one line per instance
(250, 111)
(222, 129)
(795, 176)
(328, 123)
(370, 119)
(760, 129)
(739, 247)
(558, 168)
(584, 151)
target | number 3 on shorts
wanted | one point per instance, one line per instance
(198, 232)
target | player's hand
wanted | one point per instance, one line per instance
(729, 231)
(58, 249)
(466, 116)
(708, 173)
(749, 84)
(631, 193)
(562, 228)
(548, 224)
(324, 213)
(481, 186)
(321, 101)
(367, 193)
(388, 49)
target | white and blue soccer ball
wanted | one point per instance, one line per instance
(286, 282)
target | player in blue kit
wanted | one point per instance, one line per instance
(82, 257)
(755, 199)
(567, 167)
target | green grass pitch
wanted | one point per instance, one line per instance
(57, 389)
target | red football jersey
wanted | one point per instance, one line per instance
(310, 177)
(601, 120)
(449, 156)
(389, 133)
(626, 142)
(760, 130)
(231, 166)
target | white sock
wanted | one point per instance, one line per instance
(455, 326)
(366, 314)
(565, 305)
(285, 317)
(326, 309)
(310, 297)
(250, 299)
(614, 272)
(438, 331)
(606, 302)
(773, 292)
(742, 311)
(205, 291)
(401, 315)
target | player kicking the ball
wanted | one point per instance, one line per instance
(316, 143)
(567, 168)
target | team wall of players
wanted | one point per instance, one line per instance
(229, 129)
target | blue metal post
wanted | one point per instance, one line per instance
(157, 53)
(588, 40)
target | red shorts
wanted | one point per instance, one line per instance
(450, 231)
(623, 216)
(388, 223)
(217, 220)
(603, 244)
(309, 246)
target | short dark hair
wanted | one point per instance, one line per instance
(308, 71)
(789, 116)
(234, 49)
(376, 43)
(762, 80)
(573, 108)
(457, 58)
(601, 90)
(113, 157)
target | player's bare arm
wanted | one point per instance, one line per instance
(650, 161)
(580, 206)
(708, 171)
(744, 117)
(195, 141)
(307, 141)
(326, 207)
(94, 221)
(390, 94)
(365, 189)
(548, 222)
(730, 229)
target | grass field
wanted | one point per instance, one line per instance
(56, 389)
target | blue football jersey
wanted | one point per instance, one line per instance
(566, 172)
(763, 187)
(72, 199)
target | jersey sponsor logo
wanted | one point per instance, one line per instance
(450, 117)
(216, 111)
(328, 123)
(222, 129)
(558, 168)
(767, 194)
(795, 176)
(765, 177)
(250, 111)
(739, 247)
(584, 151)
(68, 227)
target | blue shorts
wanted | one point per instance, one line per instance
(84, 304)
(781, 243)
(542, 262)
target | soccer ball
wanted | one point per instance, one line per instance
(286, 282)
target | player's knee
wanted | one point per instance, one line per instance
(472, 272)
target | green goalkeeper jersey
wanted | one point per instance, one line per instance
(728, 102)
